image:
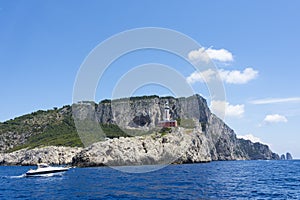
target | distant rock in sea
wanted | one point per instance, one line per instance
(289, 156)
(282, 157)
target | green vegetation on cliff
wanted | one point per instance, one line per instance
(56, 134)
(44, 128)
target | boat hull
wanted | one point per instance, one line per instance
(48, 172)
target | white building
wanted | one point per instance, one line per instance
(167, 122)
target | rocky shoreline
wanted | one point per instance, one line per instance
(50, 154)
(180, 146)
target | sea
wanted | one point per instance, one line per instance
(215, 180)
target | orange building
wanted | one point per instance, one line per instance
(171, 123)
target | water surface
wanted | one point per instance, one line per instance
(215, 180)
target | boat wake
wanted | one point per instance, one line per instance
(20, 176)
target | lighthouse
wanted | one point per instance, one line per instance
(167, 112)
(167, 121)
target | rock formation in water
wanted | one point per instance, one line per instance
(282, 157)
(289, 156)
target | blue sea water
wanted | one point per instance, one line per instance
(215, 180)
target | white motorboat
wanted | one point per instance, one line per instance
(45, 169)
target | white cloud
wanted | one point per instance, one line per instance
(275, 100)
(204, 76)
(250, 137)
(204, 55)
(231, 77)
(199, 55)
(275, 118)
(222, 107)
(238, 77)
(221, 55)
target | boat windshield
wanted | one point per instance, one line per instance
(42, 165)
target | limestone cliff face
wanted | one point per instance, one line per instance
(147, 112)
(176, 147)
(191, 112)
(223, 141)
(224, 144)
(211, 138)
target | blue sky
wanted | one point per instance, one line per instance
(43, 44)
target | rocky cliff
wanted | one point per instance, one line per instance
(191, 113)
(180, 146)
(50, 154)
(200, 137)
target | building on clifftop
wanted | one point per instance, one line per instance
(167, 121)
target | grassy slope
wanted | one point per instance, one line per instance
(51, 127)
(56, 134)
